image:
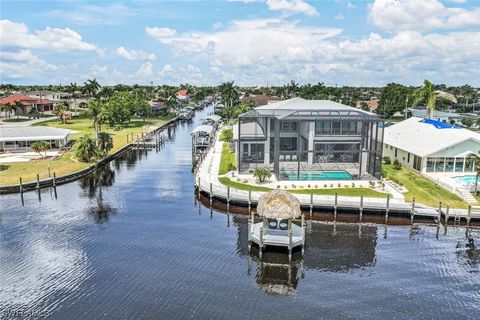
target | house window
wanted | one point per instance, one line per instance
(288, 144)
(459, 164)
(449, 164)
(440, 165)
(323, 127)
(245, 148)
(430, 164)
(288, 126)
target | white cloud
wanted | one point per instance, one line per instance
(56, 39)
(278, 50)
(350, 5)
(156, 32)
(145, 71)
(23, 64)
(246, 42)
(339, 16)
(135, 54)
(166, 70)
(292, 6)
(397, 15)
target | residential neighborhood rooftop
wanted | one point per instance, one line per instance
(424, 137)
(32, 133)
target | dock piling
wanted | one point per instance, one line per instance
(228, 197)
(361, 208)
(198, 187)
(412, 213)
(249, 200)
(446, 214)
(439, 212)
(335, 206)
(469, 214)
(387, 209)
(54, 181)
(38, 181)
(20, 186)
(211, 194)
(311, 206)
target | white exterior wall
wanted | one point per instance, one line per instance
(402, 156)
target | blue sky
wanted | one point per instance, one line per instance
(254, 42)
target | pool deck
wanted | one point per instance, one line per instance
(206, 182)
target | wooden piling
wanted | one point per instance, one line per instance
(412, 213)
(446, 214)
(289, 239)
(211, 194)
(228, 197)
(38, 181)
(249, 200)
(335, 205)
(439, 212)
(469, 214)
(387, 209)
(20, 186)
(198, 187)
(54, 181)
(311, 206)
(361, 208)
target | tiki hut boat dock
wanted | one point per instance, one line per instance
(277, 208)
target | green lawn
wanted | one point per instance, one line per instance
(240, 186)
(351, 192)
(424, 190)
(11, 171)
(226, 159)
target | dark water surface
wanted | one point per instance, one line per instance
(132, 242)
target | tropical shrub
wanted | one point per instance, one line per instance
(85, 149)
(227, 135)
(387, 160)
(397, 165)
(262, 174)
(39, 147)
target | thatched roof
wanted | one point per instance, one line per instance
(278, 204)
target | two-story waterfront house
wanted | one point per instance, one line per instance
(300, 139)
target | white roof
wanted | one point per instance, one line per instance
(35, 133)
(284, 108)
(424, 139)
(203, 128)
(213, 117)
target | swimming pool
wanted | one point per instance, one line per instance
(465, 179)
(317, 175)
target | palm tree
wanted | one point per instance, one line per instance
(97, 112)
(105, 142)
(91, 87)
(72, 88)
(293, 88)
(8, 109)
(85, 148)
(426, 95)
(474, 160)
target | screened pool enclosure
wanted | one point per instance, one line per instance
(300, 139)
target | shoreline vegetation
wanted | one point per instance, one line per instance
(12, 171)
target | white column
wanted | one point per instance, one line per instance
(311, 135)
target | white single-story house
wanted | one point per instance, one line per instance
(442, 116)
(19, 139)
(430, 146)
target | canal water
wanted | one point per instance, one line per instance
(132, 242)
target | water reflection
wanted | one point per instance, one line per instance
(275, 275)
(92, 186)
